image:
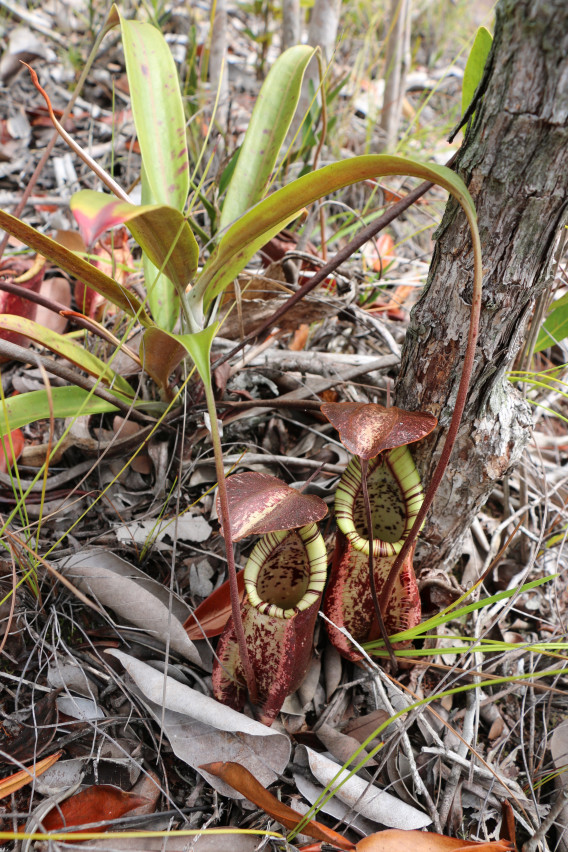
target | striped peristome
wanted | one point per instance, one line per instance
(286, 571)
(284, 580)
(395, 494)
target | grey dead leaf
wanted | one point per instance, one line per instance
(185, 528)
(201, 730)
(60, 776)
(333, 670)
(83, 709)
(201, 842)
(133, 595)
(71, 678)
(333, 807)
(364, 798)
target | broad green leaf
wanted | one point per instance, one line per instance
(163, 298)
(269, 216)
(160, 230)
(475, 65)
(68, 349)
(269, 124)
(554, 328)
(76, 266)
(69, 401)
(162, 351)
(157, 109)
(199, 347)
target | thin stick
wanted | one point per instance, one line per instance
(226, 522)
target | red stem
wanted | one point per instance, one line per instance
(231, 568)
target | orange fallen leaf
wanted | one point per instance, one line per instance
(211, 616)
(397, 840)
(11, 449)
(300, 338)
(98, 803)
(19, 779)
(244, 782)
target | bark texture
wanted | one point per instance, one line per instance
(515, 162)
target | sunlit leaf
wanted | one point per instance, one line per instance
(17, 411)
(67, 348)
(269, 123)
(269, 216)
(158, 112)
(76, 266)
(366, 429)
(555, 327)
(245, 783)
(475, 65)
(160, 230)
(157, 108)
(259, 503)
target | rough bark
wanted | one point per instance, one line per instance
(515, 162)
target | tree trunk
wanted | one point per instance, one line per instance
(515, 161)
(397, 62)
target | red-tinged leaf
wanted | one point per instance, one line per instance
(11, 449)
(160, 230)
(75, 266)
(244, 782)
(98, 803)
(19, 779)
(259, 503)
(211, 616)
(160, 353)
(366, 429)
(397, 840)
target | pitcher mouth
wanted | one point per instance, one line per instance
(286, 572)
(396, 496)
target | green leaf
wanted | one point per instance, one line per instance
(268, 126)
(76, 266)
(157, 108)
(68, 349)
(269, 216)
(475, 65)
(555, 327)
(161, 292)
(17, 411)
(155, 228)
(199, 347)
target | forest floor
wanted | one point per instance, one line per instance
(110, 550)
